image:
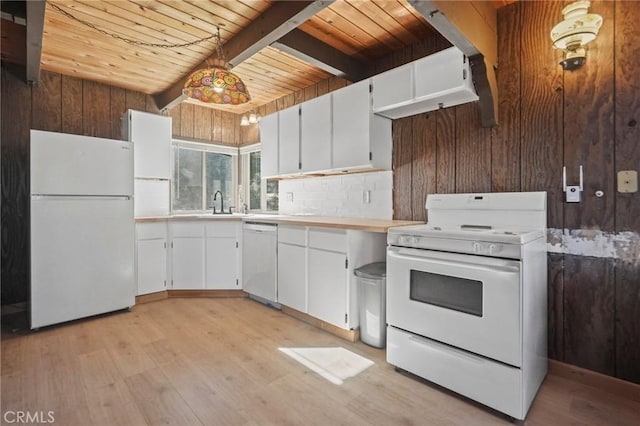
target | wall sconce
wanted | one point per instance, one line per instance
(572, 34)
(252, 118)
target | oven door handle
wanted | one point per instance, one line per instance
(499, 269)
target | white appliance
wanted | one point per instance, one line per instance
(260, 261)
(467, 297)
(82, 227)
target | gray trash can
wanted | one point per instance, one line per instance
(372, 283)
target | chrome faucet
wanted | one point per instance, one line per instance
(215, 197)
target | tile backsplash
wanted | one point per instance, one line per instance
(367, 195)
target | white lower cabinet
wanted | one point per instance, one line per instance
(222, 266)
(151, 257)
(205, 255)
(328, 286)
(187, 262)
(315, 270)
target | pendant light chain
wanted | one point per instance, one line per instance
(131, 41)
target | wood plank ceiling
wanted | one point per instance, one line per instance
(361, 29)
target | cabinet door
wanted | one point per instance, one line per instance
(152, 266)
(351, 121)
(269, 145)
(187, 263)
(221, 264)
(393, 87)
(289, 140)
(292, 271)
(151, 137)
(328, 286)
(315, 131)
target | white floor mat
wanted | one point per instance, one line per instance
(334, 364)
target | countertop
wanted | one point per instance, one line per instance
(358, 224)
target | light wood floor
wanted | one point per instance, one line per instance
(216, 362)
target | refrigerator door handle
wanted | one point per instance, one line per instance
(80, 197)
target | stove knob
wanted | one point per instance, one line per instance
(495, 249)
(477, 248)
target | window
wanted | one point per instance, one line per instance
(199, 171)
(262, 194)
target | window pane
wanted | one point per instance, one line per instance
(219, 178)
(272, 194)
(254, 180)
(187, 180)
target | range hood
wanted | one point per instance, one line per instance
(436, 81)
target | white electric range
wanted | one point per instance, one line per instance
(467, 297)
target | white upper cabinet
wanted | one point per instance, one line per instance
(269, 145)
(151, 137)
(315, 131)
(393, 87)
(289, 140)
(436, 81)
(360, 139)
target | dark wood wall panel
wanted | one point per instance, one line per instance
(72, 105)
(541, 105)
(402, 169)
(217, 125)
(505, 141)
(46, 103)
(16, 121)
(445, 151)
(187, 120)
(423, 178)
(96, 110)
(473, 151)
(627, 321)
(589, 313)
(555, 305)
(136, 100)
(117, 107)
(627, 108)
(588, 129)
(203, 123)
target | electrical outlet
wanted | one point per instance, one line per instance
(366, 197)
(290, 197)
(628, 181)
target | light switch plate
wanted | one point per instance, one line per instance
(627, 181)
(290, 197)
(573, 194)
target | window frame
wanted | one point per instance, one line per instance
(204, 148)
(244, 152)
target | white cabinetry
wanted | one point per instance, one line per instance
(292, 267)
(436, 81)
(315, 270)
(187, 255)
(151, 257)
(360, 138)
(269, 146)
(315, 134)
(222, 267)
(151, 137)
(289, 140)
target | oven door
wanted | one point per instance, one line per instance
(471, 302)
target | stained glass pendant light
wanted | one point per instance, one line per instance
(216, 83)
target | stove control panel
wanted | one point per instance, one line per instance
(487, 249)
(480, 248)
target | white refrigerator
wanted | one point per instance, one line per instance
(82, 227)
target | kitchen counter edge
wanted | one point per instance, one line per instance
(358, 224)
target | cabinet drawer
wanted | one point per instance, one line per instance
(328, 239)
(292, 235)
(187, 229)
(221, 229)
(151, 231)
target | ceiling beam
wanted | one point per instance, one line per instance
(471, 27)
(311, 50)
(35, 31)
(275, 22)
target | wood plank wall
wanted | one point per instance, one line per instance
(550, 118)
(66, 104)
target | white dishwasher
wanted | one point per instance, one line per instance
(260, 261)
